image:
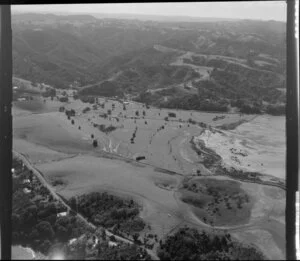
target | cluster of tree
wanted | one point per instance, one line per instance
(105, 129)
(70, 113)
(86, 109)
(35, 223)
(276, 110)
(109, 211)
(216, 118)
(250, 109)
(123, 252)
(88, 99)
(223, 88)
(189, 244)
(50, 92)
(64, 99)
(85, 249)
(186, 102)
(172, 114)
(95, 143)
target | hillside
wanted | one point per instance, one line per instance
(217, 65)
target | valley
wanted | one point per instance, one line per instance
(62, 150)
(157, 126)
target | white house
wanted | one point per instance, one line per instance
(26, 190)
(62, 214)
(112, 244)
(26, 181)
(72, 241)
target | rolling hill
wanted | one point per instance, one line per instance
(203, 65)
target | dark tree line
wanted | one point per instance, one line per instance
(189, 244)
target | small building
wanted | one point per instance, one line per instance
(26, 181)
(72, 241)
(96, 241)
(112, 244)
(62, 214)
(26, 190)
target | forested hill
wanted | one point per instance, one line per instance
(209, 65)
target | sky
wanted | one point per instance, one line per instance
(262, 10)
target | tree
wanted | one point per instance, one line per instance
(45, 230)
(137, 113)
(95, 143)
(73, 203)
(144, 113)
(63, 99)
(103, 234)
(72, 122)
(172, 114)
(135, 237)
(45, 246)
(92, 136)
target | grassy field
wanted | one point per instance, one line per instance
(84, 174)
(64, 153)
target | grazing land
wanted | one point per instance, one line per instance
(65, 154)
(166, 145)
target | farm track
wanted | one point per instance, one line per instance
(44, 182)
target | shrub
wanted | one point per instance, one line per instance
(95, 143)
(172, 114)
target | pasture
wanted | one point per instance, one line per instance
(62, 150)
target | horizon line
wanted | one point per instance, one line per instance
(140, 14)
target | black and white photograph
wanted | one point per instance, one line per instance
(149, 131)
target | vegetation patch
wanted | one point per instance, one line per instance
(36, 222)
(189, 244)
(109, 211)
(105, 129)
(231, 126)
(217, 202)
